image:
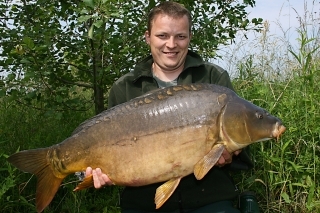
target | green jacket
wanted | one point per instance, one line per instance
(217, 185)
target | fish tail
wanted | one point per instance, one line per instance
(35, 162)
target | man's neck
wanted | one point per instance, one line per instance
(166, 75)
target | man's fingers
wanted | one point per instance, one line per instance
(237, 152)
(100, 179)
(226, 157)
(88, 171)
(221, 161)
(96, 179)
(106, 179)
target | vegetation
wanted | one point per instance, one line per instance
(54, 51)
(50, 95)
(285, 173)
(284, 79)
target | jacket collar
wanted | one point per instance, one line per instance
(144, 68)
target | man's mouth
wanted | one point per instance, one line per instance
(170, 53)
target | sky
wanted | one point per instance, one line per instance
(277, 10)
(284, 12)
(283, 18)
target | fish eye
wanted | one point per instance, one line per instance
(259, 115)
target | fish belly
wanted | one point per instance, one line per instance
(147, 159)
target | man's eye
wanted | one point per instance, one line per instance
(182, 37)
(161, 36)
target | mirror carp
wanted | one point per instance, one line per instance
(161, 136)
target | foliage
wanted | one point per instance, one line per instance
(9, 181)
(54, 52)
(23, 128)
(288, 181)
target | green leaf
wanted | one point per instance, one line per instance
(309, 181)
(98, 23)
(116, 15)
(89, 3)
(59, 99)
(32, 95)
(84, 11)
(3, 92)
(25, 61)
(286, 197)
(310, 195)
(296, 167)
(11, 76)
(29, 75)
(28, 41)
(90, 32)
(84, 18)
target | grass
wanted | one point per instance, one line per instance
(25, 128)
(284, 79)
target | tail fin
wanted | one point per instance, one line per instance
(35, 162)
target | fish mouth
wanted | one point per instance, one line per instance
(278, 130)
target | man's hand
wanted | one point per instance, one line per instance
(226, 157)
(99, 179)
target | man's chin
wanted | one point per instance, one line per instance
(171, 63)
(171, 66)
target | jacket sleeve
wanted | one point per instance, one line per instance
(220, 76)
(111, 98)
(116, 95)
(224, 80)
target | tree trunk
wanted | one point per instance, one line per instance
(97, 67)
(98, 99)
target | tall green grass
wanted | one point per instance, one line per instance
(286, 173)
(284, 79)
(23, 128)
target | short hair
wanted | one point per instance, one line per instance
(172, 9)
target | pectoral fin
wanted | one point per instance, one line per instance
(208, 161)
(165, 191)
(86, 183)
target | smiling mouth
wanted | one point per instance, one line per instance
(170, 53)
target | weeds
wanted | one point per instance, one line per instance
(285, 173)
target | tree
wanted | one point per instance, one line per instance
(65, 55)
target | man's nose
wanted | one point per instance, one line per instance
(171, 42)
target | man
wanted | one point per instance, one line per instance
(171, 63)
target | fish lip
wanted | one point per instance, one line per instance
(278, 130)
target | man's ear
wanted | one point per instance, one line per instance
(147, 37)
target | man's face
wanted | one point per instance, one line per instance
(169, 40)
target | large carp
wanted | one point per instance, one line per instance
(162, 136)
